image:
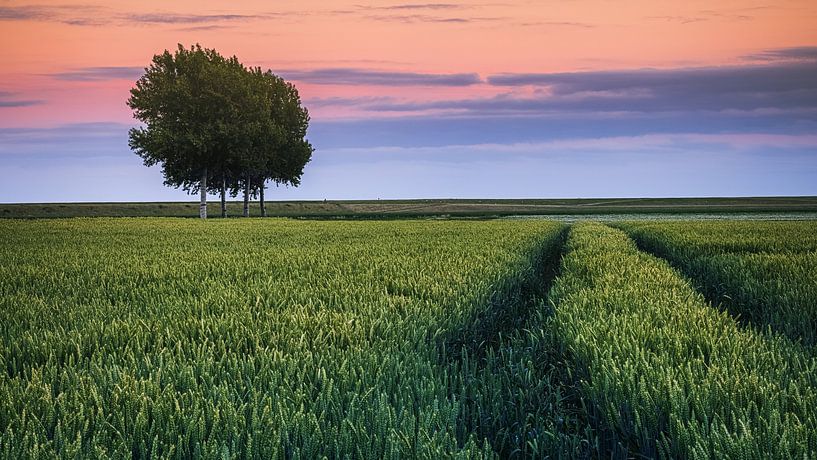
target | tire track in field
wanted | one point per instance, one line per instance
(724, 290)
(514, 380)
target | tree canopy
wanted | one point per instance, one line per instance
(208, 119)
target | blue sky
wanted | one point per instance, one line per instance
(437, 158)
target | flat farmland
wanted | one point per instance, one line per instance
(779, 207)
(275, 338)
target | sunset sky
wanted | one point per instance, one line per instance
(517, 99)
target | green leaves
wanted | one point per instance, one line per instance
(201, 111)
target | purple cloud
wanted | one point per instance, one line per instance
(353, 76)
(79, 15)
(101, 73)
(798, 53)
(85, 15)
(9, 99)
(424, 18)
(416, 6)
(172, 18)
(781, 85)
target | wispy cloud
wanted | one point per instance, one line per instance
(6, 103)
(206, 27)
(425, 13)
(725, 14)
(425, 18)
(508, 127)
(415, 6)
(652, 142)
(172, 18)
(92, 15)
(337, 101)
(785, 85)
(571, 24)
(338, 61)
(353, 76)
(100, 73)
(679, 19)
(82, 136)
(9, 99)
(734, 15)
(781, 94)
(20, 13)
(798, 53)
(79, 15)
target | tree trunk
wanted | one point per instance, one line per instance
(223, 195)
(247, 196)
(261, 196)
(203, 199)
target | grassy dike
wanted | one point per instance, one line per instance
(667, 375)
(404, 209)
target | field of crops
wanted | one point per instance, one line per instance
(266, 338)
(669, 375)
(765, 273)
(175, 338)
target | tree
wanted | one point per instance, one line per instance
(284, 152)
(278, 150)
(190, 106)
(214, 125)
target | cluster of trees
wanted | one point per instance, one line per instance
(217, 126)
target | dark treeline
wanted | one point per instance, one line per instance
(217, 126)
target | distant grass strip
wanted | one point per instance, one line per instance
(669, 376)
(763, 272)
(396, 209)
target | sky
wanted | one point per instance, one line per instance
(446, 99)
